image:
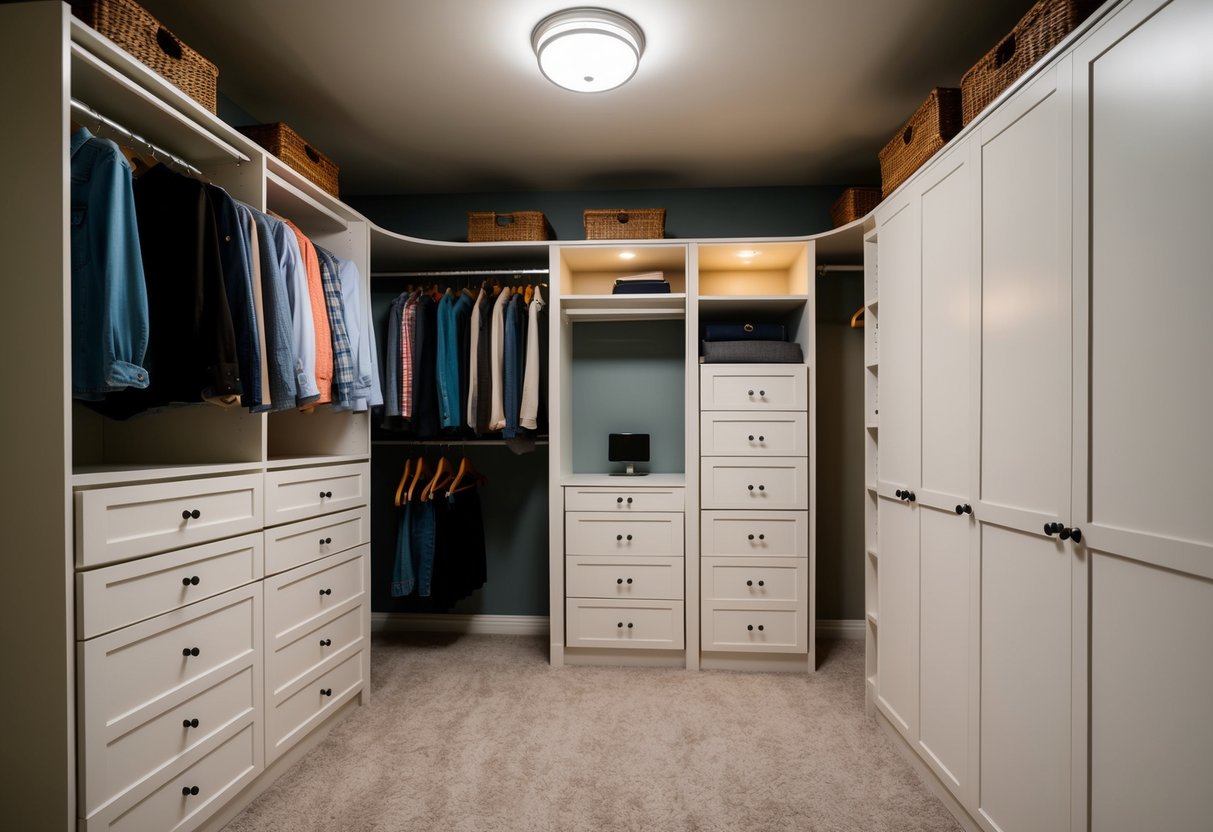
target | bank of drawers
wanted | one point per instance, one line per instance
(175, 689)
(624, 573)
(754, 476)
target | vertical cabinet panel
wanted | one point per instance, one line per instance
(1025, 681)
(900, 348)
(944, 666)
(1025, 343)
(897, 668)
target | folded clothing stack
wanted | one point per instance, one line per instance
(649, 283)
(749, 343)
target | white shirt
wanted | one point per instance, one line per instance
(474, 329)
(497, 413)
(529, 410)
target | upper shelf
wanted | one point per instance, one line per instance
(624, 307)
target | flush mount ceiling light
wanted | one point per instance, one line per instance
(587, 49)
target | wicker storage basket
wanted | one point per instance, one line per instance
(492, 227)
(1044, 26)
(853, 204)
(625, 223)
(278, 138)
(133, 28)
(936, 121)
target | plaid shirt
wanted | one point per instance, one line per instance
(343, 357)
(408, 323)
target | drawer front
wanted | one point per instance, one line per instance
(753, 387)
(730, 629)
(775, 483)
(755, 533)
(653, 625)
(295, 600)
(298, 543)
(624, 577)
(292, 718)
(295, 659)
(120, 523)
(300, 493)
(217, 776)
(113, 765)
(624, 499)
(603, 533)
(129, 675)
(118, 595)
(741, 433)
(755, 579)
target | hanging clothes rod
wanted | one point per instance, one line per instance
(825, 269)
(87, 113)
(461, 273)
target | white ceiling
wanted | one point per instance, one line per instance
(444, 96)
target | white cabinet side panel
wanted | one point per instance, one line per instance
(897, 661)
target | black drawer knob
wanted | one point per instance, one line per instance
(620, 625)
(629, 625)
(190, 651)
(762, 537)
(190, 581)
(749, 583)
(762, 392)
(325, 494)
(326, 642)
(749, 537)
(187, 514)
(326, 691)
(762, 439)
(761, 628)
(187, 791)
(1053, 528)
(619, 537)
(749, 626)
(326, 592)
(1076, 535)
(762, 583)
(964, 508)
(629, 537)
(751, 437)
(619, 499)
(629, 580)
(189, 723)
(749, 488)
(762, 488)
(619, 580)
(629, 500)
(899, 494)
(750, 392)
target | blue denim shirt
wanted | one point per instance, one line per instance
(109, 294)
(303, 330)
(279, 343)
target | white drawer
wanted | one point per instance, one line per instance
(753, 387)
(624, 577)
(298, 543)
(295, 600)
(759, 533)
(126, 521)
(607, 533)
(742, 433)
(773, 483)
(173, 807)
(115, 596)
(784, 580)
(654, 625)
(132, 674)
(292, 660)
(624, 499)
(293, 718)
(111, 765)
(733, 629)
(298, 493)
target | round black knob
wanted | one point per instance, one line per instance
(322, 541)
(762, 537)
(629, 580)
(899, 494)
(189, 723)
(187, 791)
(762, 583)
(762, 488)
(190, 581)
(629, 625)
(750, 536)
(911, 496)
(629, 537)
(749, 626)
(619, 580)
(751, 437)
(762, 392)
(760, 627)
(629, 500)
(326, 691)
(1076, 535)
(749, 487)
(964, 509)
(968, 509)
(1052, 528)
(190, 651)
(750, 392)
(620, 625)
(1064, 534)
(619, 537)
(326, 642)
(328, 540)
(185, 514)
(619, 499)
(325, 494)
(326, 592)
(749, 583)
(762, 439)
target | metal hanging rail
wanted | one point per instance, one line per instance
(87, 113)
(462, 273)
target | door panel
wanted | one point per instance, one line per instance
(897, 660)
(900, 322)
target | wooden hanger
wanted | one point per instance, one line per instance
(529, 293)
(466, 472)
(408, 467)
(421, 472)
(442, 475)
(857, 319)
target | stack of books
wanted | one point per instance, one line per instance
(649, 283)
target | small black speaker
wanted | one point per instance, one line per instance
(628, 448)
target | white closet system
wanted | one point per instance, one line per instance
(1040, 564)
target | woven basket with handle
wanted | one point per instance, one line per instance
(494, 227)
(624, 223)
(933, 123)
(278, 138)
(853, 204)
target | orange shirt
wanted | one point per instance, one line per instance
(320, 317)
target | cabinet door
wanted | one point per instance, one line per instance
(1024, 479)
(897, 625)
(1143, 462)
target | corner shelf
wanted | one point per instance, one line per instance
(624, 307)
(762, 303)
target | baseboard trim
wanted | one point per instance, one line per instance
(845, 628)
(928, 777)
(499, 625)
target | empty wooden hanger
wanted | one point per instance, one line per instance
(467, 477)
(857, 319)
(404, 478)
(443, 473)
(421, 475)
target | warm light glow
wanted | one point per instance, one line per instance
(747, 254)
(627, 255)
(587, 50)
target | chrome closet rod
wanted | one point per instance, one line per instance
(824, 269)
(89, 114)
(473, 443)
(461, 273)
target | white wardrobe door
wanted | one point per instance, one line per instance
(897, 659)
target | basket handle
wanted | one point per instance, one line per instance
(312, 154)
(168, 44)
(503, 219)
(908, 135)
(1005, 51)
(622, 218)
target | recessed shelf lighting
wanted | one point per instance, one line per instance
(748, 254)
(587, 49)
(627, 255)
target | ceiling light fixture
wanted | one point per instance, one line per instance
(587, 49)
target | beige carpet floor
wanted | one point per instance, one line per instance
(480, 734)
